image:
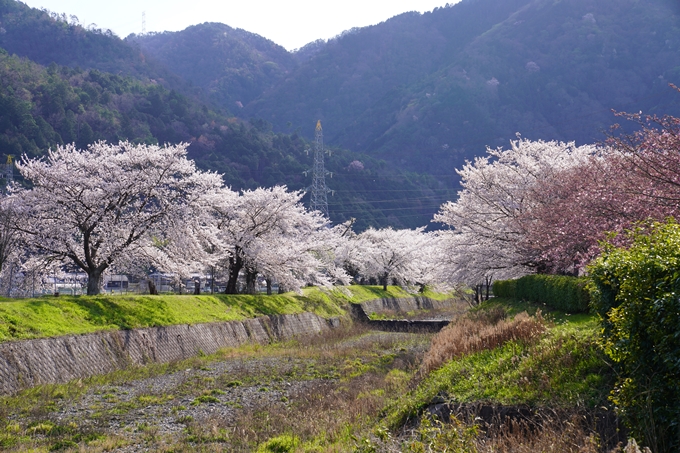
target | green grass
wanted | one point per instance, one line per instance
(64, 315)
(514, 306)
(566, 368)
(361, 293)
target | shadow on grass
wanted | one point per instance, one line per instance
(378, 291)
(256, 304)
(108, 311)
(515, 306)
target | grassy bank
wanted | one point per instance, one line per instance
(565, 368)
(64, 315)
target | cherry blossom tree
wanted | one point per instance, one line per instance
(652, 153)
(108, 203)
(487, 220)
(269, 232)
(581, 206)
(637, 180)
(427, 266)
(388, 254)
(8, 233)
(306, 257)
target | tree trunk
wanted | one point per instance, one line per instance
(269, 286)
(251, 282)
(384, 279)
(94, 281)
(9, 285)
(235, 265)
(197, 287)
(152, 288)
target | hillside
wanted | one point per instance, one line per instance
(231, 66)
(427, 91)
(43, 107)
(47, 38)
(550, 71)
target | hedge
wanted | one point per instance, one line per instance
(560, 292)
(504, 288)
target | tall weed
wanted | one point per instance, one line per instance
(473, 334)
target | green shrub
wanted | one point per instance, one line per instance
(636, 292)
(504, 288)
(279, 444)
(560, 292)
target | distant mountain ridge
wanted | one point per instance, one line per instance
(548, 70)
(552, 70)
(426, 91)
(46, 38)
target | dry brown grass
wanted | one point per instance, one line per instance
(558, 435)
(477, 333)
(324, 411)
(546, 431)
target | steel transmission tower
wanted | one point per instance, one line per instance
(319, 198)
(8, 172)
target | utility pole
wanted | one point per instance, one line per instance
(319, 199)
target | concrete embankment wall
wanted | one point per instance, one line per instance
(24, 364)
(405, 304)
(361, 311)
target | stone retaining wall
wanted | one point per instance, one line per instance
(24, 364)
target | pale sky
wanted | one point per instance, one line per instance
(291, 24)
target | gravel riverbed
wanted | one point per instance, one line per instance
(154, 413)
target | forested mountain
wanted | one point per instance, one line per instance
(552, 70)
(429, 90)
(41, 107)
(403, 103)
(363, 67)
(47, 38)
(232, 66)
(424, 92)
